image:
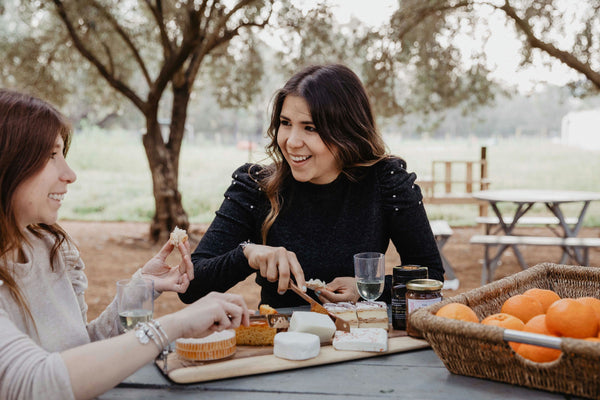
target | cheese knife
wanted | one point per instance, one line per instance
(340, 324)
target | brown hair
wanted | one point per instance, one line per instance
(342, 114)
(28, 131)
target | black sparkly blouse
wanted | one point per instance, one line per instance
(325, 225)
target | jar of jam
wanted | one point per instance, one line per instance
(401, 275)
(421, 293)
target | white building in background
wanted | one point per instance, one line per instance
(581, 129)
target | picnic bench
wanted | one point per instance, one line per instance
(570, 246)
(565, 229)
(454, 181)
(442, 232)
(491, 222)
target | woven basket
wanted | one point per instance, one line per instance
(477, 350)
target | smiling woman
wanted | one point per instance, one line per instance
(46, 348)
(331, 191)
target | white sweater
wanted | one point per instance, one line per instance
(30, 364)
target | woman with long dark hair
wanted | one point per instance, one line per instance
(331, 191)
(46, 349)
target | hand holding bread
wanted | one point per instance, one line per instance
(165, 277)
(340, 289)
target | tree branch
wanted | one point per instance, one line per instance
(85, 52)
(422, 13)
(126, 39)
(157, 12)
(563, 56)
(200, 52)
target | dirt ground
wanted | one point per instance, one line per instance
(115, 250)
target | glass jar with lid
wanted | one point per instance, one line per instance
(421, 293)
(401, 275)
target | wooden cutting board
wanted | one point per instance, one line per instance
(252, 360)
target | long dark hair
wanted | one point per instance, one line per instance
(342, 114)
(28, 131)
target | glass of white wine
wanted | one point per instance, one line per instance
(135, 301)
(369, 270)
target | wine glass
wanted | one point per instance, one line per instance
(135, 301)
(369, 270)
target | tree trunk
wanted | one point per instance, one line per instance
(163, 162)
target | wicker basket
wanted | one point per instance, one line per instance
(477, 350)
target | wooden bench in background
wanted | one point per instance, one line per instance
(550, 222)
(569, 244)
(442, 232)
(453, 182)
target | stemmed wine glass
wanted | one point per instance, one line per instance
(369, 270)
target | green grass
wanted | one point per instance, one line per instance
(114, 182)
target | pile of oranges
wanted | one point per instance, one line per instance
(538, 311)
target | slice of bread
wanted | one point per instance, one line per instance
(259, 333)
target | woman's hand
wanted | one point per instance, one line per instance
(275, 264)
(167, 278)
(213, 312)
(340, 289)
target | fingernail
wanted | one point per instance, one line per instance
(318, 292)
(281, 292)
(304, 288)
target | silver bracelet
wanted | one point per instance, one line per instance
(164, 339)
(164, 342)
(144, 334)
(244, 244)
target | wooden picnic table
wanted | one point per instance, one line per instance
(524, 200)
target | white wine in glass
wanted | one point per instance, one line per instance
(130, 318)
(369, 270)
(135, 301)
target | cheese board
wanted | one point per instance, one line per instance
(252, 360)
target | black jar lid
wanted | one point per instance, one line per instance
(409, 271)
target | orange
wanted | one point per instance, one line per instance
(458, 311)
(594, 303)
(568, 317)
(537, 324)
(538, 353)
(522, 307)
(544, 296)
(507, 321)
(504, 320)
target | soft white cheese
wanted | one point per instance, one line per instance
(361, 339)
(296, 345)
(311, 322)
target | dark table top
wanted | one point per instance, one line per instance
(417, 374)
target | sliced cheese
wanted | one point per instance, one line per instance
(361, 339)
(311, 322)
(296, 345)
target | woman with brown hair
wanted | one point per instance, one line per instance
(332, 191)
(46, 349)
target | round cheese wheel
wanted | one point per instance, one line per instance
(212, 347)
(296, 345)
